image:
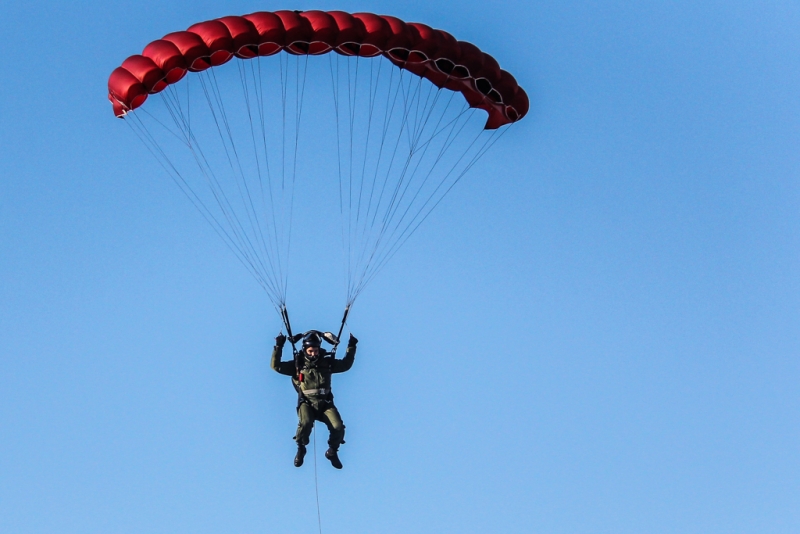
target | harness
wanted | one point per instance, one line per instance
(304, 394)
(299, 359)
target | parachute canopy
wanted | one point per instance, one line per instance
(429, 53)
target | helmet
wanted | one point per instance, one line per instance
(311, 339)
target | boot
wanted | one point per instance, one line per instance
(333, 455)
(301, 453)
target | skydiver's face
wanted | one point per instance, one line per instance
(312, 352)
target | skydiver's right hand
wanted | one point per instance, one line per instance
(280, 340)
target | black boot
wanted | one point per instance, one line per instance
(333, 455)
(301, 453)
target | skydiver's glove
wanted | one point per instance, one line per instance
(280, 340)
(352, 341)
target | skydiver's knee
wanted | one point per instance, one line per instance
(305, 417)
(305, 424)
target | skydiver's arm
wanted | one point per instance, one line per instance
(284, 368)
(340, 366)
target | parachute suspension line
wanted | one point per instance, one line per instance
(397, 202)
(393, 209)
(181, 138)
(366, 228)
(363, 211)
(408, 99)
(262, 117)
(144, 135)
(388, 110)
(411, 102)
(388, 113)
(371, 100)
(346, 227)
(373, 81)
(494, 136)
(445, 146)
(396, 243)
(424, 146)
(134, 123)
(350, 150)
(248, 232)
(396, 205)
(336, 100)
(353, 224)
(258, 226)
(241, 184)
(300, 90)
(383, 219)
(278, 225)
(258, 88)
(213, 96)
(217, 190)
(356, 234)
(399, 149)
(284, 84)
(404, 115)
(284, 80)
(272, 251)
(182, 124)
(335, 87)
(350, 117)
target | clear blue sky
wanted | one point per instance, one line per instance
(598, 331)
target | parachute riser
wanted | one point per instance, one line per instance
(341, 328)
(288, 325)
(295, 354)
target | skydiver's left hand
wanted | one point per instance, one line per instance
(280, 340)
(352, 341)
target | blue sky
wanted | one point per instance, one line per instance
(597, 331)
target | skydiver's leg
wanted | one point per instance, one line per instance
(333, 421)
(306, 415)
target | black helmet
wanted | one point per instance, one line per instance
(312, 339)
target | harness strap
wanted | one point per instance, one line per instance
(320, 391)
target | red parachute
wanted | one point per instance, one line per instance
(429, 53)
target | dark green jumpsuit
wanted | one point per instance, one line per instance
(313, 385)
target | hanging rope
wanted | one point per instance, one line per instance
(383, 208)
(316, 483)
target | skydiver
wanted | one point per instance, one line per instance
(311, 376)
